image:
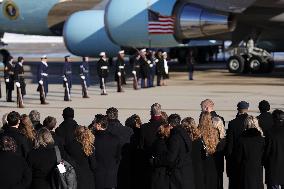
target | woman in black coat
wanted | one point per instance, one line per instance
(160, 176)
(81, 150)
(249, 155)
(197, 160)
(42, 160)
(14, 171)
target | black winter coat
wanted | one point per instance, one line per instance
(42, 161)
(160, 176)
(107, 153)
(234, 132)
(274, 156)
(85, 166)
(265, 121)
(66, 130)
(23, 145)
(197, 163)
(179, 158)
(249, 157)
(14, 171)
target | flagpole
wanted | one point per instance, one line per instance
(149, 35)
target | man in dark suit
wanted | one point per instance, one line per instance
(235, 129)
(66, 129)
(107, 153)
(274, 152)
(265, 119)
(11, 130)
(148, 137)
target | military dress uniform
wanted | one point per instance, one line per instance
(136, 72)
(20, 83)
(103, 71)
(152, 71)
(85, 79)
(120, 73)
(42, 77)
(67, 81)
(9, 80)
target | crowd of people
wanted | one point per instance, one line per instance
(145, 65)
(165, 153)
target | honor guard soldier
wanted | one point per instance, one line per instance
(136, 71)
(152, 69)
(42, 77)
(85, 77)
(67, 78)
(160, 69)
(9, 78)
(20, 82)
(144, 68)
(119, 71)
(166, 76)
(102, 69)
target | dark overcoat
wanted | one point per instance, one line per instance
(197, 163)
(66, 130)
(265, 121)
(249, 157)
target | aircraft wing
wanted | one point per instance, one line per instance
(236, 6)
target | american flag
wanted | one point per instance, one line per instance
(159, 24)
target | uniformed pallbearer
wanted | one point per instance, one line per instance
(42, 77)
(120, 71)
(20, 82)
(103, 70)
(84, 75)
(144, 68)
(9, 78)
(67, 78)
(160, 69)
(136, 71)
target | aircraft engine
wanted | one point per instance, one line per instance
(85, 35)
(129, 23)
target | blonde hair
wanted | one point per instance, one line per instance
(209, 134)
(251, 122)
(190, 126)
(43, 138)
(218, 124)
(26, 127)
(85, 137)
(164, 131)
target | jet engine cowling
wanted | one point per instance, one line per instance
(85, 35)
(127, 23)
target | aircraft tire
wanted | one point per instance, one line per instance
(256, 63)
(236, 64)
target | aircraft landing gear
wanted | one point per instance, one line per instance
(248, 58)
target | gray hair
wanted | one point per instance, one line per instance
(34, 116)
(251, 122)
(219, 125)
(156, 109)
(43, 138)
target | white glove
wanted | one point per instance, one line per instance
(18, 84)
(65, 79)
(156, 60)
(149, 61)
(83, 77)
(134, 72)
(40, 82)
(151, 65)
(7, 80)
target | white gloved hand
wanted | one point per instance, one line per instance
(119, 74)
(151, 65)
(134, 72)
(83, 77)
(40, 82)
(149, 61)
(18, 84)
(156, 60)
(65, 79)
(7, 80)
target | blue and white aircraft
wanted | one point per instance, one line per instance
(91, 26)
